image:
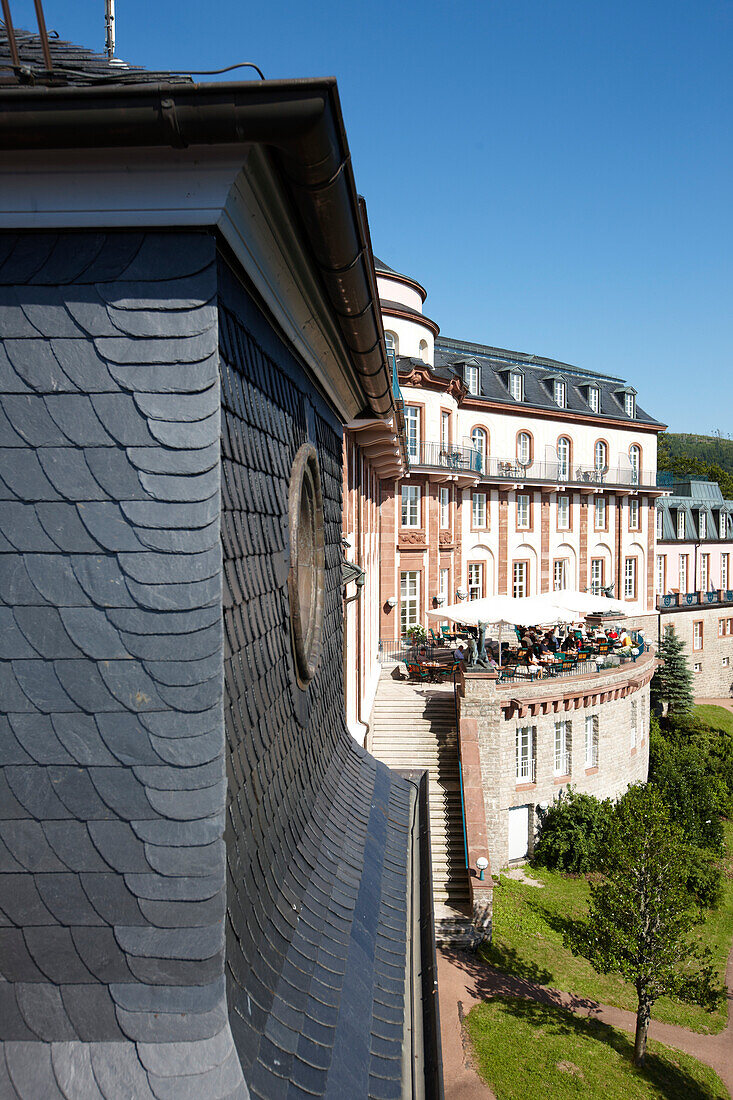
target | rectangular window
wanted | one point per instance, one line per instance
(660, 523)
(721, 628)
(558, 393)
(410, 505)
(412, 431)
(683, 573)
(634, 712)
(409, 599)
(634, 514)
(630, 579)
(730, 626)
(600, 513)
(444, 585)
(444, 507)
(724, 560)
(703, 525)
(523, 510)
(520, 579)
(475, 580)
(697, 667)
(593, 400)
(596, 576)
(591, 740)
(726, 662)
(516, 387)
(479, 509)
(562, 747)
(563, 512)
(629, 404)
(472, 379)
(525, 754)
(704, 572)
(697, 634)
(560, 575)
(661, 573)
(445, 430)
(680, 524)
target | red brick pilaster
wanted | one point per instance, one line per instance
(503, 565)
(388, 564)
(586, 503)
(545, 542)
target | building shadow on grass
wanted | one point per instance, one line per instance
(668, 1079)
(509, 975)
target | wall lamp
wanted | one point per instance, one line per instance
(462, 593)
(438, 600)
(392, 601)
(482, 863)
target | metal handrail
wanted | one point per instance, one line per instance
(460, 771)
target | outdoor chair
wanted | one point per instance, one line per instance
(417, 672)
(436, 639)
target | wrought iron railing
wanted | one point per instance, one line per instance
(469, 460)
(403, 650)
(695, 599)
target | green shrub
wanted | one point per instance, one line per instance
(572, 832)
(682, 766)
(705, 879)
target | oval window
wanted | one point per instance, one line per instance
(306, 579)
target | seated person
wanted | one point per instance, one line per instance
(459, 653)
(612, 634)
(626, 639)
(551, 642)
(569, 645)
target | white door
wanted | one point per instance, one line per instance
(518, 832)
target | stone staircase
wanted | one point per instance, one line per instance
(414, 726)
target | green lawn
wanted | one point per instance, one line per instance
(528, 941)
(718, 717)
(523, 1049)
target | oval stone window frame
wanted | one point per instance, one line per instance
(307, 574)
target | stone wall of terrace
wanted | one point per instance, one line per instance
(601, 757)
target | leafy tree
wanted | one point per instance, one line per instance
(572, 832)
(641, 913)
(671, 685)
(696, 796)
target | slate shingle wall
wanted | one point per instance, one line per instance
(113, 786)
(120, 480)
(316, 829)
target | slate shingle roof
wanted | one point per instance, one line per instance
(695, 498)
(496, 363)
(73, 64)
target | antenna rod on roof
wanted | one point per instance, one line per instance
(109, 21)
(44, 35)
(10, 31)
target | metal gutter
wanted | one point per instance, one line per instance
(302, 124)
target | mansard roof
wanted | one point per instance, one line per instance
(497, 363)
(695, 497)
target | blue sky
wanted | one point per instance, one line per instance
(557, 173)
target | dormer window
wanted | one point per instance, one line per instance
(703, 525)
(630, 404)
(516, 385)
(680, 524)
(559, 392)
(660, 523)
(471, 378)
(594, 399)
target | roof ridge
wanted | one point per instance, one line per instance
(520, 357)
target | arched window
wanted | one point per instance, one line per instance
(478, 439)
(424, 350)
(563, 458)
(635, 460)
(390, 339)
(524, 448)
(601, 455)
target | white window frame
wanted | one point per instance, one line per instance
(516, 385)
(633, 722)
(444, 585)
(633, 513)
(680, 524)
(563, 458)
(697, 667)
(559, 391)
(520, 579)
(704, 572)
(444, 430)
(563, 747)
(660, 523)
(444, 498)
(630, 405)
(524, 448)
(479, 442)
(591, 740)
(475, 580)
(594, 399)
(524, 754)
(635, 462)
(560, 575)
(661, 573)
(698, 637)
(412, 431)
(409, 599)
(630, 579)
(600, 455)
(724, 563)
(600, 513)
(703, 525)
(596, 576)
(478, 510)
(563, 513)
(682, 573)
(472, 379)
(523, 511)
(410, 516)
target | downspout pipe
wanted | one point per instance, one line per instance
(300, 120)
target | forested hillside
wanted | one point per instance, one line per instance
(710, 456)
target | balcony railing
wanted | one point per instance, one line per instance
(695, 599)
(470, 461)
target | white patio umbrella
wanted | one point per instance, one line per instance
(506, 611)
